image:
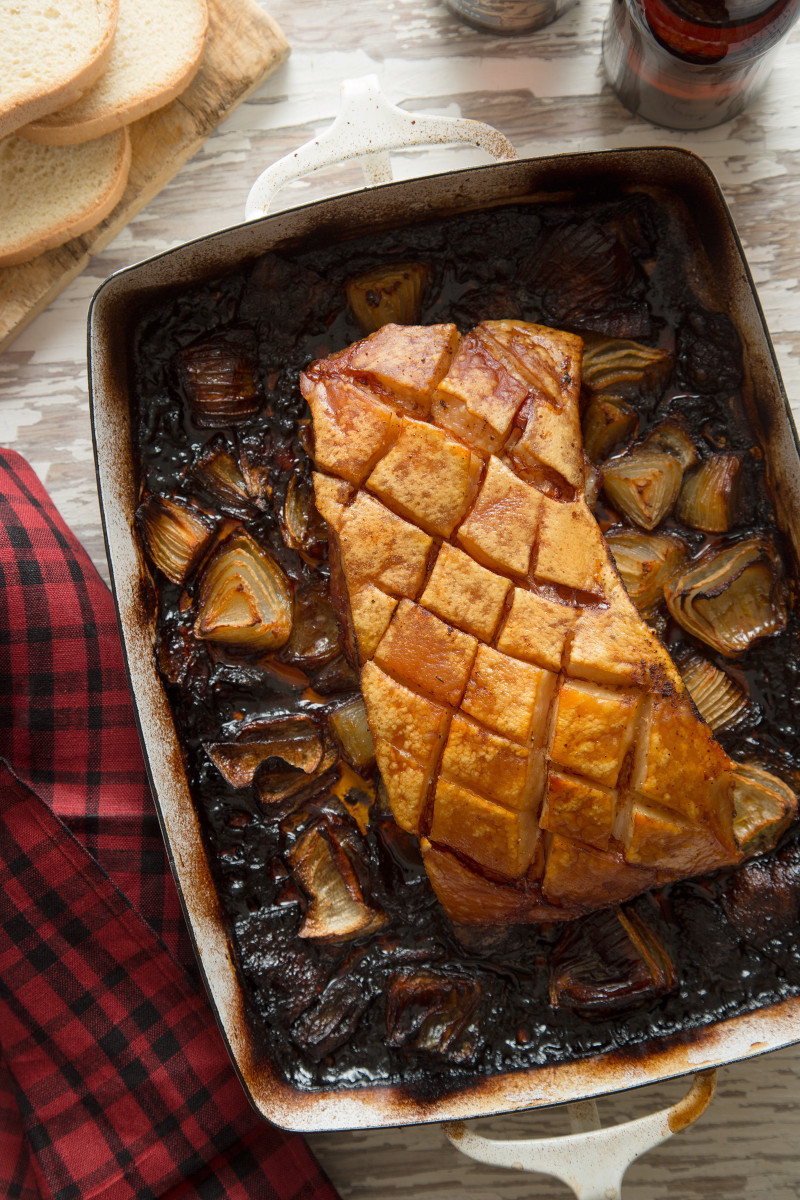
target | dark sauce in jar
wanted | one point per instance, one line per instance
(342, 1014)
(692, 64)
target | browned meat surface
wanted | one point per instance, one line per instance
(530, 729)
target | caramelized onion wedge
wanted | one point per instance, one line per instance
(709, 495)
(176, 534)
(607, 963)
(220, 474)
(296, 740)
(315, 634)
(608, 420)
(764, 808)
(609, 362)
(301, 524)
(645, 561)
(219, 381)
(644, 484)
(244, 598)
(731, 596)
(349, 725)
(431, 1011)
(390, 295)
(337, 911)
(673, 439)
(290, 786)
(720, 702)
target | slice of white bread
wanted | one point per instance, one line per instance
(51, 51)
(157, 50)
(49, 194)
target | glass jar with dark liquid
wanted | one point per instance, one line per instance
(691, 64)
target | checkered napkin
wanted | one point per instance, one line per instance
(114, 1082)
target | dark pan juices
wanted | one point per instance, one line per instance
(415, 1002)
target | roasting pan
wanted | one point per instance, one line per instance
(114, 310)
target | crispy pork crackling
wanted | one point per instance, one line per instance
(530, 729)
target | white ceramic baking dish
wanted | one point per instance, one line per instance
(365, 129)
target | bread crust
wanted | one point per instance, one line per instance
(66, 228)
(60, 129)
(32, 105)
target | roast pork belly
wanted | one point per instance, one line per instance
(530, 729)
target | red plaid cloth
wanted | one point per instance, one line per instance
(114, 1081)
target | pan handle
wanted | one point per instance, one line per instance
(590, 1160)
(368, 127)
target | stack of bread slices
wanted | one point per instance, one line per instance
(74, 74)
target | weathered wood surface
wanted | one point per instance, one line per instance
(547, 93)
(244, 45)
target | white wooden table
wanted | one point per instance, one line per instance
(547, 93)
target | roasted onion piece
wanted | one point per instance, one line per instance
(349, 725)
(279, 788)
(721, 703)
(764, 808)
(610, 362)
(220, 474)
(314, 640)
(325, 870)
(709, 495)
(390, 295)
(301, 525)
(607, 963)
(645, 561)
(244, 598)
(428, 1010)
(219, 380)
(295, 739)
(176, 534)
(608, 420)
(644, 484)
(732, 595)
(334, 1016)
(673, 439)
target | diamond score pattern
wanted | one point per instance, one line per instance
(529, 728)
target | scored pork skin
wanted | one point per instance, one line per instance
(530, 729)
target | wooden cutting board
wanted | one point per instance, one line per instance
(244, 46)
